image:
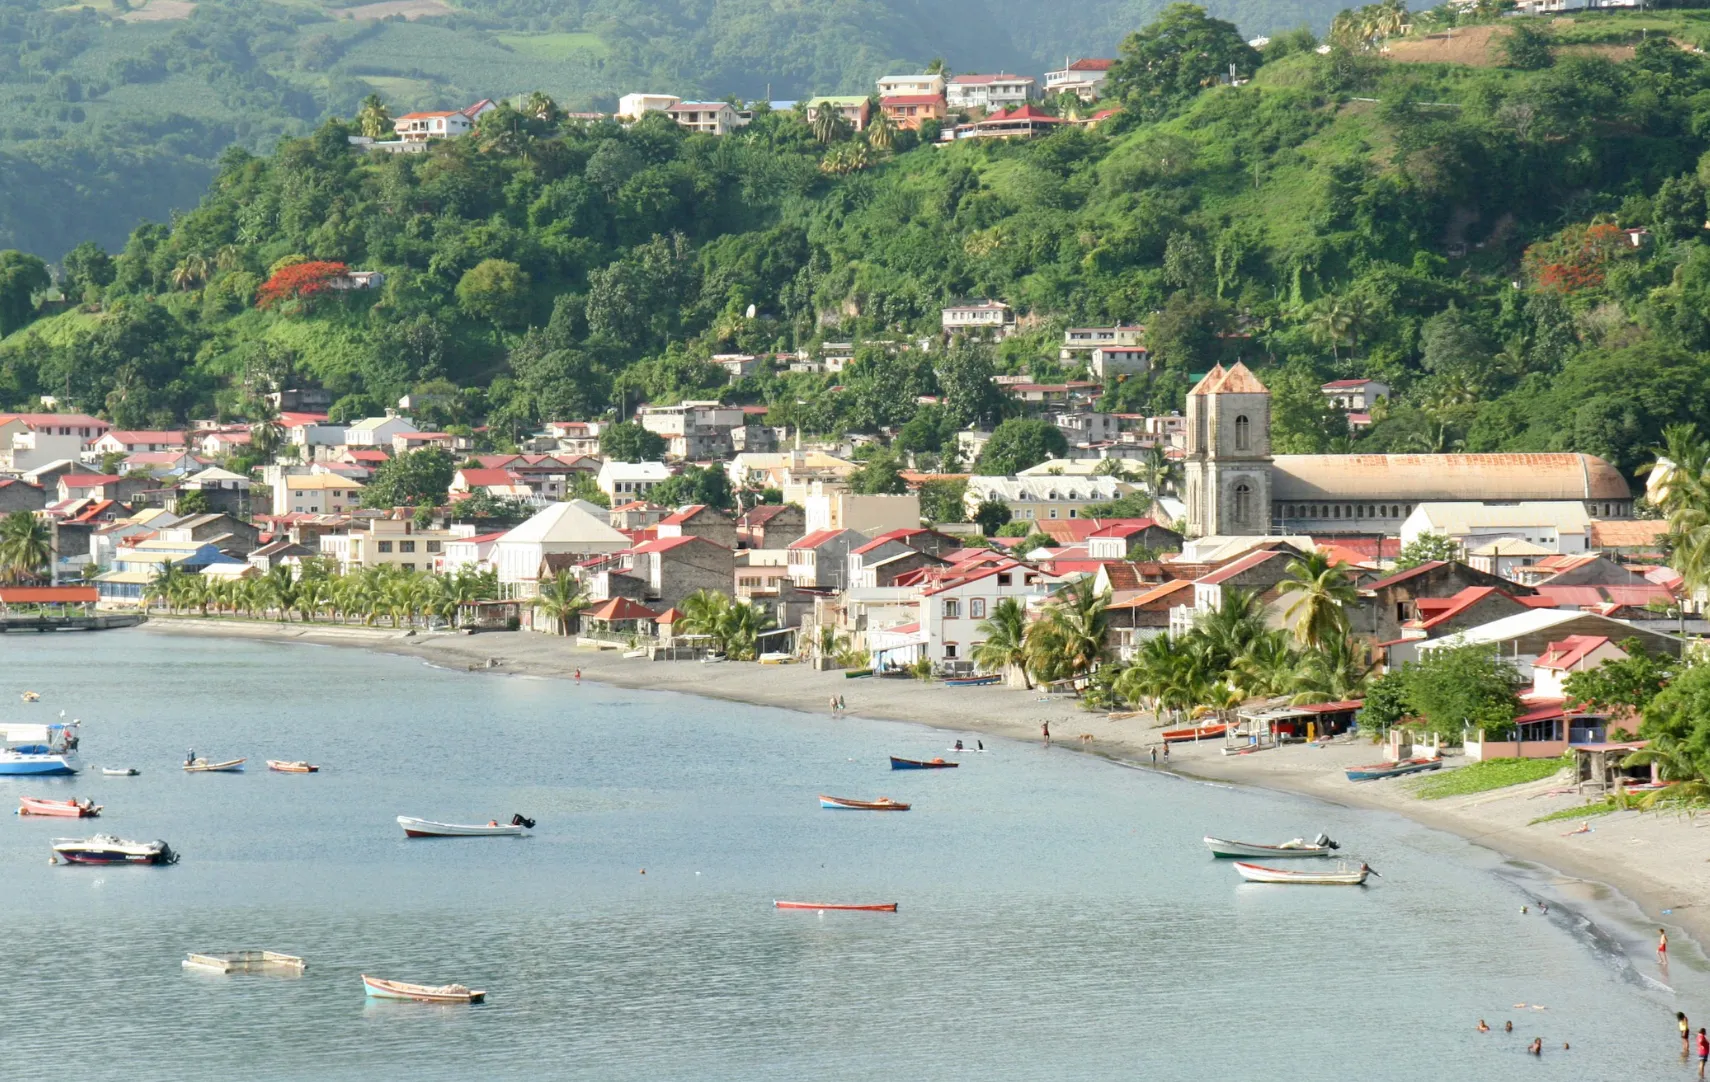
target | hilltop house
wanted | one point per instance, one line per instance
(993, 319)
(927, 85)
(1083, 78)
(706, 117)
(990, 91)
(29, 441)
(854, 107)
(910, 111)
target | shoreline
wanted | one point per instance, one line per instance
(1651, 860)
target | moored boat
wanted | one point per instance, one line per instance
(420, 993)
(120, 771)
(427, 828)
(1200, 732)
(971, 681)
(838, 803)
(245, 962)
(1378, 771)
(65, 809)
(1344, 875)
(922, 764)
(297, 767)
(106, 849)
(876, 907)
(203, 766)
(1320, 846)
(38, 750)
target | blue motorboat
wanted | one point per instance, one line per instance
(38, 750)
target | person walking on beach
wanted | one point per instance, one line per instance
(1662, 947)
(1154, 755)
(1703, 1051)
(1045, 731)
(834, 706)
(578, 676)
(1685, 1033)
(1166, 752)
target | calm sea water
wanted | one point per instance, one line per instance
(1060, 917)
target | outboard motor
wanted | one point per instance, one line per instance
(517, 820)
(1324, 840)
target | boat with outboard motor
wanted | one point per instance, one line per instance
(201, 765)
(64, 809)
(1345, 875)
(838, 803)
(1320, 846)
(39, 750)
(427, 828)
(106, 849)
(421, 993)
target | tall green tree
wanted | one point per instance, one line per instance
(1017, 444)
(26, 547)
(1003, 641)
(629, 442)
(410, 479)
(1162, 67)
(22, 276)
(1320, 593)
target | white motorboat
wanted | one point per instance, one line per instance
(106, 849)
(1320, 846)
(38, 750)
(203, 766)
(1345, 875)
(427, 828)
(120, 771)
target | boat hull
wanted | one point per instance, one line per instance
(123, 772)
(1222, 847)
(917, 764)
(1379, 771)
(1202, 732)
(834, 803)
(105, 849)
(877, 907)
(970, 681)
(1345, 877)
(419, 993)
(282, 767)
(64, 809)
(203, 766)
(36, 766)
(427, 828)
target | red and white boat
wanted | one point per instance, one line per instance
(64, 809)
(420, 993)
(877, 907)
(838, 803)
(1199, 733)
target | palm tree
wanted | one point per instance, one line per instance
(703, 614)
(191, 271)
(1679, 483)
(374, 118)
(1229, 630)
(279, 587)
(561, 598)
(1336, 672)
(829, 123)
(1330, 323)
(1674, 762)
(166, 585)
(26, 547)
(1004, 648)
(538, 106)
(310, 595)
(1069, 640)
(1270, 665)
(1320, 590)
(882, 132)
(739, 628)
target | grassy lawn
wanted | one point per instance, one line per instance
(554, 46)
(1481, 777)
(1580, 811)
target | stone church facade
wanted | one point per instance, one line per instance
(1228, 468)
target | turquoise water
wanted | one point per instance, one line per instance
(1060, 917)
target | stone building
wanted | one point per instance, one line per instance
(1229, 454)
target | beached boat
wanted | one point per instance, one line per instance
(837, 803)
(38, 750)
(427, 828)
(106, 849)
(877, 907)
(203, 766)
(920, 764)
(1320, 846)
(1345, 875)
(297, 767)
(1377, 771)
(244, 962)
(1199, 732)
(65, 809)
(420, 993)
(971, 681)
(120, 771)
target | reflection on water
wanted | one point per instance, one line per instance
(1059, 916)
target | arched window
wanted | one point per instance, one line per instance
(1243, 432)
(1243, 502)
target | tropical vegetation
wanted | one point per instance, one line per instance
(388, 596)
(26, 548)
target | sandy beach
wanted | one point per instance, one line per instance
(1656, 860)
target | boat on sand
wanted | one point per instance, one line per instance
(1379, 771)
(427, 828)
(420, 993)
(297, 767)
(922, 764)
(65, 809)
(1202, 732)
(876, 907)
(838, 803)
(1344, 875)
(1320, 846)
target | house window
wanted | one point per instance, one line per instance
(409, 567)
(977, 608)
(433, 547)
(949, 650)
(952, 608)
(1072, 513)
(1003, 578)
(1243, 432)
(406, 546)
(1243, 503)
(1053, 512)
(385, 546)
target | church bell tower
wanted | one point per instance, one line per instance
(1229, 454)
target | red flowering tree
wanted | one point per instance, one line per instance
(300, 282)
(1575, 259)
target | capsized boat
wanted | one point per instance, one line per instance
(838, 803)
(1378, 771)
(203, 766)
(1201, 732)
(65, 809)
(245, 962)
(922, 764)
(1320, 846)
(427, 828)
(120, 771)
(106, 849)
(420, 993)
(297, 767)
(1345, 875)
(38, 750)
(876, 907)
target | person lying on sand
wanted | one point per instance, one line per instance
(1583, 828)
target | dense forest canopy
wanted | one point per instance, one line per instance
(1518, 251)
(114, 111)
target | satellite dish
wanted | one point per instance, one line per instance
(751, 311)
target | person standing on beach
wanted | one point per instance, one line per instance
(1685, 1033)
(1703, 1051)
(834, 706)
(1166, 751)
(1045, 731)
(1154, 755)
(1662, 946)
(578, 676)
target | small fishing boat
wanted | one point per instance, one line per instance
(31, 697)
(1320, 846)
(297, 767)
(65, 809)
(919, 764)
(1200, 732)
(971, 681)
(877, 907)
(203, 766)
(106, 849)
(837, 803)
(1379, 771)
(245, 962)
(427, 828)
(420, 993)
(1345, 875)
(38, 750)
(120, 771)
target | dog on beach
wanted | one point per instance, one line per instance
(1086, 738)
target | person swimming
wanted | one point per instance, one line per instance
(1508, 1027)
(1482, 1028)
(1536, 1047)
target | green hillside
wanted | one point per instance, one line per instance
(1519, 251)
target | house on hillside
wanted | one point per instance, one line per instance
(928, 84)
(706, 117)
(985, 319)
(632, 107)
(771, 526)
(699, 520)
(909, 111)
(990, 91)
(1083, 78)
(854, 108)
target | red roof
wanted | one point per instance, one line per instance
(293, 418)
(146, 437)
(478, 539)
(1403, 576)
(666, 544)
(619, 608)
(894, 535)
(1434, 610)
(1245, 563)
(669, 616)
(1638, 596)
(1122, 527)
(88, 480)
(1024, 112)
(1332, 708)
(54, 420)
(95, 511)
(368, 456)
(1570, 651)
(1091, 64)
(1345, 384)
(483, 478)
(682, 515)
(50, 595)
(980, 80)
(1540, 709)
(950, 578)
(1156, 593)
(815, 539)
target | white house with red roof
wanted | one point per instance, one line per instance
(29, 441)
(956, 600)
(118, 442)
(819, 560)
(1355, 395)
(1083, 78)
(474, 552)
(990, 91)
(502, 484)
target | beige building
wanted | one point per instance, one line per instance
(316, 493)
(388, 542)
(833, 507)
(1047, 497)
